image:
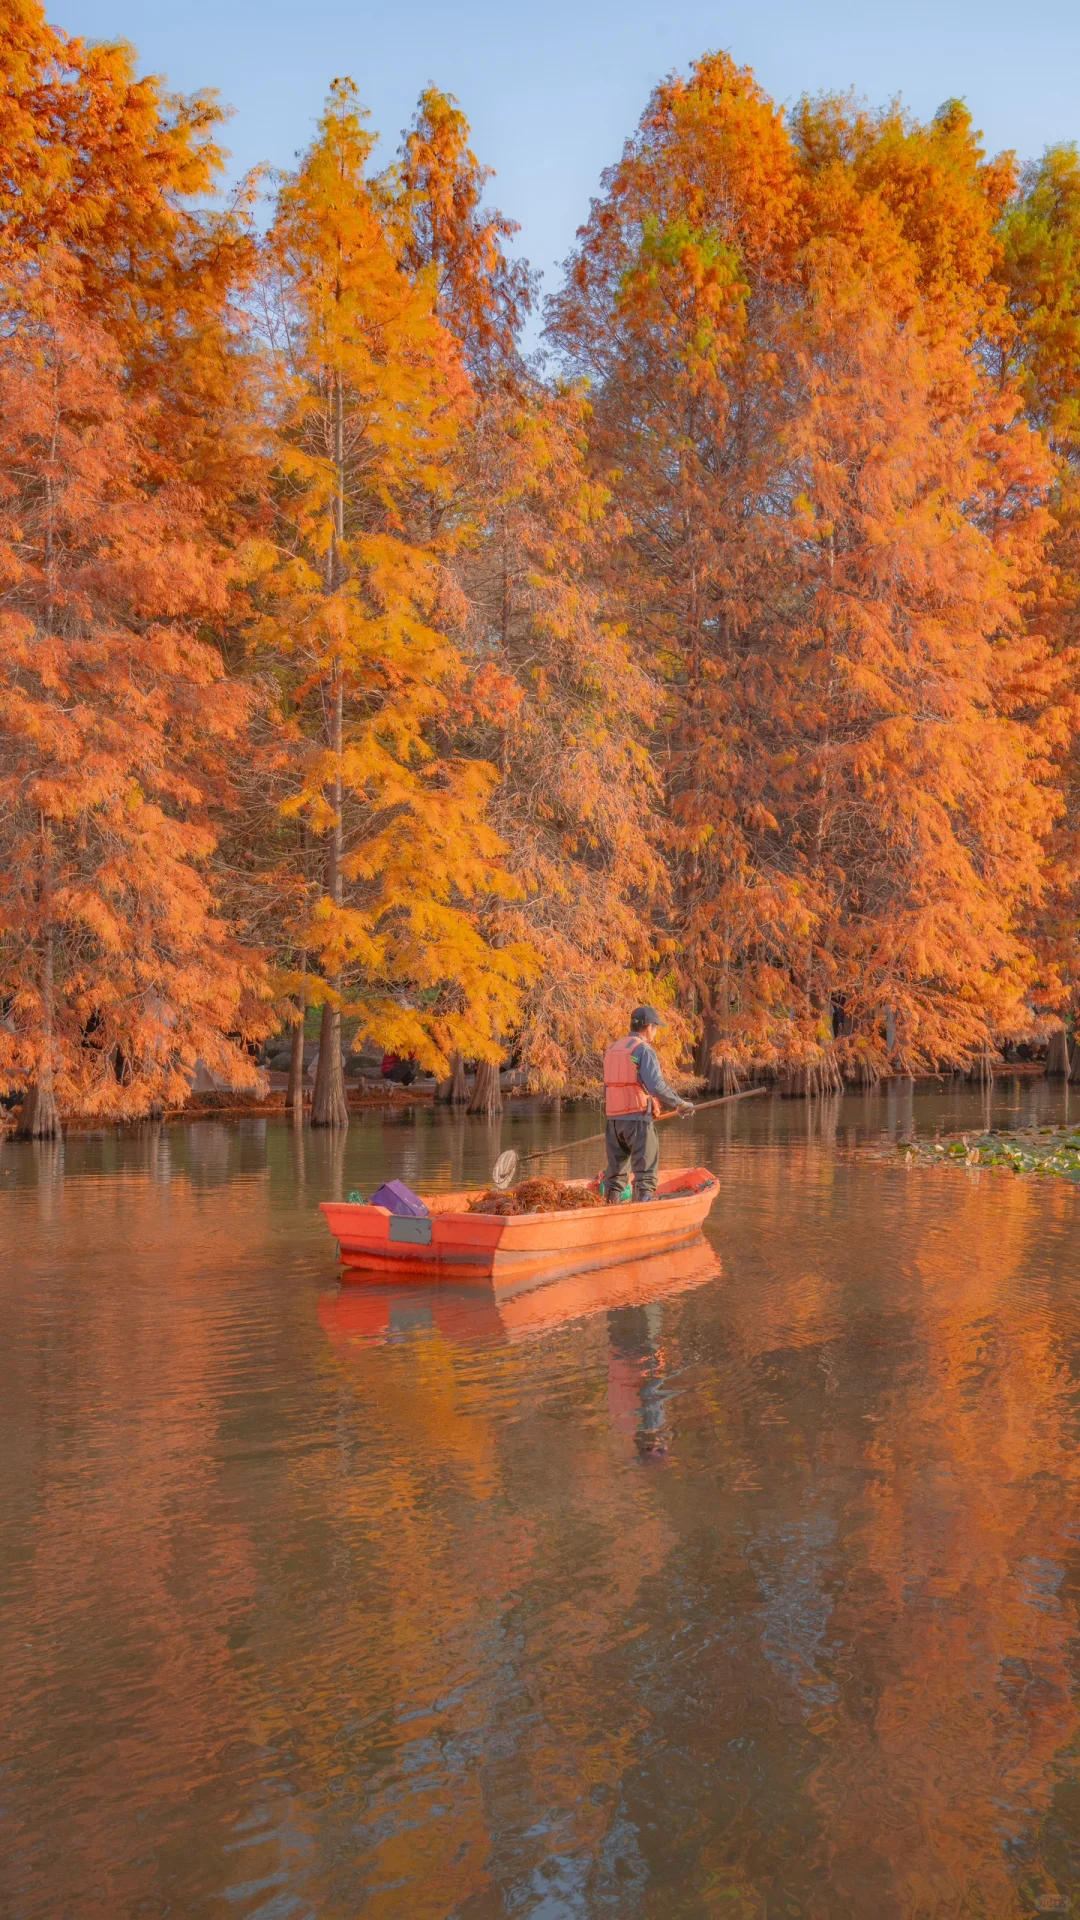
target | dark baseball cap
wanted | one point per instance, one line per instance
(645, 1017)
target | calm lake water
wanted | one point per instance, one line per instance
(750, 1595)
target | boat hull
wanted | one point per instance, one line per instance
(517, 1250)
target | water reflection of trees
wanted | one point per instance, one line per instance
(421, 1628)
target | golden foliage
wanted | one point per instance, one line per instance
(736, 667)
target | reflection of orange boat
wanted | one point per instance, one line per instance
(518, 1249)
(478, 1314)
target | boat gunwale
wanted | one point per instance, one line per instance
(458, 1208)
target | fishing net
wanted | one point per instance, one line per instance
(536, 1196)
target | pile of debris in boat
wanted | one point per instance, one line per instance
(540, 1195)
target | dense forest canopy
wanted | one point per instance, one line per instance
(723, 655)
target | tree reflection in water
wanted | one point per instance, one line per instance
(307, 1612)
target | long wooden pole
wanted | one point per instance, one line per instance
(590, 1139)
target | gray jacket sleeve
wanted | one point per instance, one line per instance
(651, 1078)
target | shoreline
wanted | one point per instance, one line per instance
(390, 1097)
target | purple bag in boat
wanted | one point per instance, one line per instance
(396, 1197)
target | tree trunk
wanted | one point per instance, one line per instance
(813, 1082)
(487, 1093)
(705, 1047)
(830, 1078)
(1056, 1066)
(38, 1116)
(721, 1077)
(1074, 1077)
(867, 1070)
(329, 1107)
(294, 1093)
(454, 1092)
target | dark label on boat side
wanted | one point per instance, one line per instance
(417, 1232)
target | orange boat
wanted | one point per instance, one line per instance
(517, 1250)
(483, 1315)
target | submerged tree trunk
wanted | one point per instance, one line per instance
(813, 1082)
(981, 1071)
(487, 1093)
(38, 1116)
(1057, 1055)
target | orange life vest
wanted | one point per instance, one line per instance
(623, 1091)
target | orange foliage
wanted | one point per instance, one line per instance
(835, 522)
(739, 671)
(114, 168)
(555, 698)
(115, 720)
(372, 396)
(129, 431)
(435, 196)
(1039, 354)
(563, 707)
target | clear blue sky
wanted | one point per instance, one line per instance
(553, 89)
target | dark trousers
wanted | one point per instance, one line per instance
(632, 1142)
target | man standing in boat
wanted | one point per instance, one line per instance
(634, 1092)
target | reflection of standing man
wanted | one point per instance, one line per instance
(634, 1092)
(636, 1377)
